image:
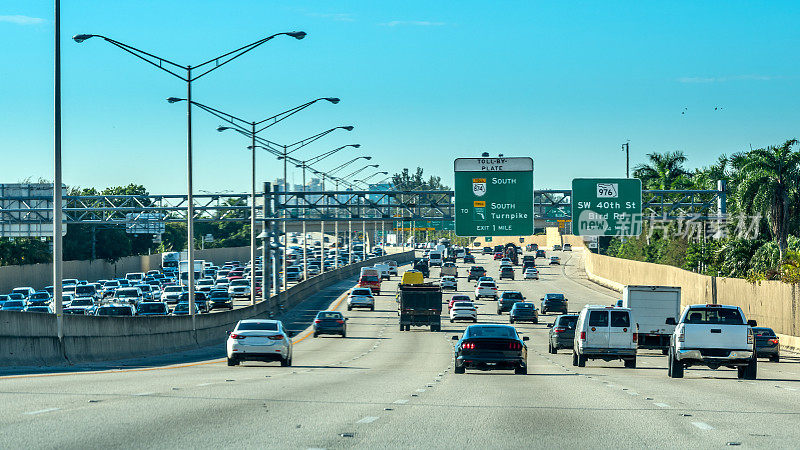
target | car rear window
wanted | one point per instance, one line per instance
(554, 296)
(620, 319)
(464, 304)
(114, 311)
(460, 297)
(491, 332)
(715, 316)
(568, 322)
(763, 332)
(512, 295)
(263, 326)
(598, 318)
(523, 305)
(147, 308)
(369, 279)
(329, 315)
(362, 292)
(13, 304)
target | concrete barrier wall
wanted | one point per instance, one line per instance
(772, 303)
(38, 276)
(30, 339)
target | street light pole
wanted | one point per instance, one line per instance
(626, 149)
(58, 251)
(171, 68)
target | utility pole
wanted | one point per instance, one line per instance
(626, 149)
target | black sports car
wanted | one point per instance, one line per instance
(491, 347)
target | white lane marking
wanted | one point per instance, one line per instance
(401, 401)
(632, 393)
(661, 405)
(703, 426)
(203, 384)
(41, 411)
(368, 419)
(142, 394)
(421, 390)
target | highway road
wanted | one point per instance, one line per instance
(381, 387)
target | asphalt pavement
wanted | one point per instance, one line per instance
(383, 388)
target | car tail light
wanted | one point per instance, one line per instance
(750, 337)
(237, 336)
(583, 335)
(317, 321)
(514, 346)
(559, 330)
(340, 321)
(276, 337)
(682, 336)
(467, 345)
(773, 341)
(635, 337)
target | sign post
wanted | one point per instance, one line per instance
(494, 196)
(606, 206)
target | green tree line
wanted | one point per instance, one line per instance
(763, 199)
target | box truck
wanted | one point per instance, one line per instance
(651, 307)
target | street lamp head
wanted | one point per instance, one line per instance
(368, 158)
(355, 145)
(175, 99)
(333, 100)
(384, 173)
(373, 165)
(348, 128)
(297, 34)
(485, 154)
(221, 129)
(82, 37)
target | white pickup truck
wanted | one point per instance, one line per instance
(712, 336)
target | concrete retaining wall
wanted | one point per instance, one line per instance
(38, 276)
(31, 339)
(772, 303)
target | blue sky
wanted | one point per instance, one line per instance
(423, 83)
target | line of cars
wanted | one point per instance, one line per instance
(137, 293)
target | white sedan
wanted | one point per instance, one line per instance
(449, 282)
(259, 340)
(463, 311)
(486, 289)
(361, 298)
(531, 273)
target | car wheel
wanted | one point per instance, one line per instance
(521, 370)
(630, 363)
(458, 369)
(574, 358)
(674, 367)
(474, 320)
(372, 308)
(581, 360)
(233, 362)
(286, 362)
(536, 320)
(750, 371)
(349, 308)
(451, 320)
(344, 334)
(775, 358)
(664, 351)
(315, 334)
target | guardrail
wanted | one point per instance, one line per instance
(28, 339)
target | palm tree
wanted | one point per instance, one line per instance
(770, 179)
(664, 171)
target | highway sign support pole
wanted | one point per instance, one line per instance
(57, 181)
(305, 236)
(349, 242)
(266, 243)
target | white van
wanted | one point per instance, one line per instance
(383, 269)
(607, 333)
(435, 258)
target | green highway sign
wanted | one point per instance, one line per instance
(494, 196)
(606, 206)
